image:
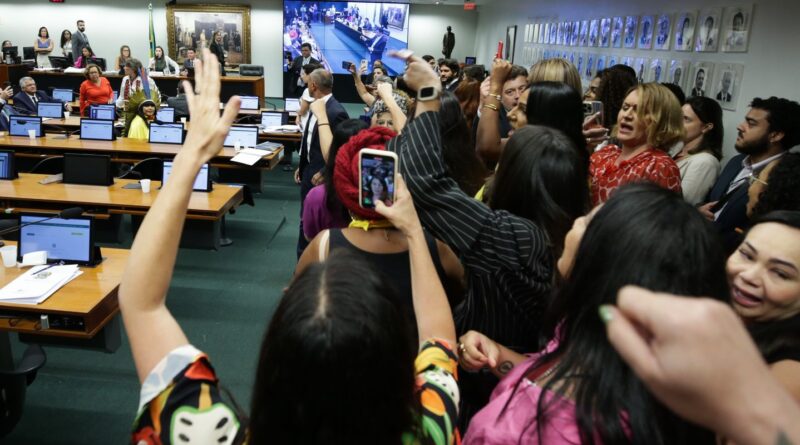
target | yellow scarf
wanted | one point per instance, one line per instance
(366, 224)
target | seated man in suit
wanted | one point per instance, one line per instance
(5, 109)
(770, 128)
(27, 100)
(320, 86)
(179, 103)
(188, 63)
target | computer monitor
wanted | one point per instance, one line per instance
(292, 104)
(8, 168)
(249, 103)
(60, 62)
(202, 182)
(166, 114)
(99, 61)
(469, 60)
(10, 51)
(97, 129)
(166, 133)
(53, 110)
(87, 169)
(19, 125)
(62, 94)
(68, 240)
(274, 118)
(103, 112)
(245, 135)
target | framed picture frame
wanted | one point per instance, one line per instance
(605, 33)
(701, 82)
(663, 32)
(736, 28)
(684, 31)
(511, 40)
(646, 32)
(707, 35)
(726, 86)
(192, 26)
(617, 24)
(631, 25)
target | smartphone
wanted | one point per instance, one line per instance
(591, 107)
(346, 65)
(376, 182)
(364, 64)
(499, 54)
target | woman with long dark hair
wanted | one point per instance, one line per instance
(337, 364)
(698, 161)
(217, 49)
(578, 390)
(66, 43)
(458, 148)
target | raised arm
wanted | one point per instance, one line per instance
(323, 127)
(151, 328)
(399, 118)
(432, 310)
(368, 99)
(488, 142)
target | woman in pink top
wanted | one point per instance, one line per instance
(578, 390)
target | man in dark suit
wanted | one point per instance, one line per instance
(448, 42)
(449, 74)
(179, 103)
(27, 100)
(6, 110)
(297, 64)
(724, 94)
(770, 128)
(376, 46)
(79, 40)
(320, 86)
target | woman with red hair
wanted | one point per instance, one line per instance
(371, 235)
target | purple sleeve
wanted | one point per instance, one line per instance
(315, 215)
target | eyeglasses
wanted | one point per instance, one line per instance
(751, 179)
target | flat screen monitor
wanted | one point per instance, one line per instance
(50, 109)
(8, 168)
(10, 51)
(245, 135)
(165, 114)
(19, 125)
(354, 32)
(59, 62)
(202, 182)
(249, 103)
(62, 94)
(103, 112)
(273, 118)
(87, 169)
(68, 240)
(97, 129)
(99, 61)
(166, 133)
(292, 104)
(470, 60)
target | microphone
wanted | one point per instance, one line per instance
(69, 213)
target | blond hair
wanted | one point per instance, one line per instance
(556, 70)
(661, 111)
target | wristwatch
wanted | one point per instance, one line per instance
(428, 93)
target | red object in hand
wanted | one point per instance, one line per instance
(499, 54)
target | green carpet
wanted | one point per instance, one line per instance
(223, 300)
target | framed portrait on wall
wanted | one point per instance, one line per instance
(678, 72)
(616, 32)
(726, 86)
(684, 31)
(594, 32)
(541, 31)
(627, 61)
(192, 26)
(646, 32)
(605, 33)
(701, 79)
(631, 23)
(584, 39)
(663, 32)
(511, 41)
(579, 62)
(588, 69)
(613, 60)
(559, 33)
(576, 33)
(553, 39)
(641, 65)
(657, 71)
(707, 38)
(736, 29)
(601, 64)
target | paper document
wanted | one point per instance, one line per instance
(38, 283)
(249, 156)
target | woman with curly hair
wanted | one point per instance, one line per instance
(775, 188)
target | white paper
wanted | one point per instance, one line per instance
(249, 156)
(33, 287)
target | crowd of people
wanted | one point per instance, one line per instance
(536, 276)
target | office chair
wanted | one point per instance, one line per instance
(13, 385)
(50, 166)
(28, 53)
(251, 70)
(150, 168)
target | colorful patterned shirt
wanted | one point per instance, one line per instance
(180, 401)
(651, 165)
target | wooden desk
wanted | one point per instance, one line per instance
(122, 150)
(231, 85)
(86, 303)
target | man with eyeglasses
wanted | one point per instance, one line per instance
(770, 128)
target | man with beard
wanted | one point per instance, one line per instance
(449, 73)
(770, 128)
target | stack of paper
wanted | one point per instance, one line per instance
(38, 283)
(282, 129)
(249, 156)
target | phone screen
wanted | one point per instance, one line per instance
(377, 179)
(346, 65)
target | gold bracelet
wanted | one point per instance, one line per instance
(496, 96)
(490, 106)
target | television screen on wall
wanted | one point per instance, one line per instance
(341, 33)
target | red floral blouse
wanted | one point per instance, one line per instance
(652, 165)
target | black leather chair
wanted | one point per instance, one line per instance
(14, 384)
(50, 166)
(251, 70)
(28, 53)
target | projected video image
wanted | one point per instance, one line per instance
(346, 32)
